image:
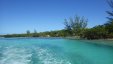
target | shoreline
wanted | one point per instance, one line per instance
(97, 42)
(107, 42)
(101, 42)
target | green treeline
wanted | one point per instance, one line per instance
(77, 26)
(104, 31)
(58, 33)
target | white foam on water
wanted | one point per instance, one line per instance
(12, 55)
(47, 57)
(15, 55)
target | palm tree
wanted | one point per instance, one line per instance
(109, 24)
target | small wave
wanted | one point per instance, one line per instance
(47, 57)
(34, 55)
(13, 55)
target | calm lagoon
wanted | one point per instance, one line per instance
(53, 51)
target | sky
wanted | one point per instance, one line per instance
(17, 16)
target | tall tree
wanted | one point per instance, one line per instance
(109, 24)
(28, 32)
(110, 13)
(76, 24)
(35, 34)
(68, 28)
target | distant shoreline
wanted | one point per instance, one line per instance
(97, 41)
(102, 42)
(72, 38)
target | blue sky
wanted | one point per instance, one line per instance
(17, 16)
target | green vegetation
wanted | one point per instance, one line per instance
(97, 32)
(104, 31)
(59, 33)
(76, 27)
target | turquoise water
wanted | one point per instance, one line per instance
(53, 51)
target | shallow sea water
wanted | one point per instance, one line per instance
(53, 51)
